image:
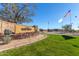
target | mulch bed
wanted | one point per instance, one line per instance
(23, 35)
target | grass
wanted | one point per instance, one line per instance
(53, 45)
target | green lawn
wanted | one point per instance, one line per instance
(53, 45)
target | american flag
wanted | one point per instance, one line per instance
(68, 13)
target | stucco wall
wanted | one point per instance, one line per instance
(6, 25)
(0, 26)
(20, 27)
(15, 27)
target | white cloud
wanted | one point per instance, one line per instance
(75, 28)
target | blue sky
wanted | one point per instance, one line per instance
(52, 12)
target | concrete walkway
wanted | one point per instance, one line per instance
(21, 42)
(64, 33)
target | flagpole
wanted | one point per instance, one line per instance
(48, 25)
(70, 21)
(70, 18)
(62, 27)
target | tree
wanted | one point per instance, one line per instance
(18, 13)
(67, 27)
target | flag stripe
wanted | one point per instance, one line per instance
(67, 13)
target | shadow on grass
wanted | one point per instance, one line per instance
(66, 37)
(76, 46)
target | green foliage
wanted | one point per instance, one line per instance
(7, 32)
(7, 36)
(6, 39)
(53, 45)
(67, 27)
